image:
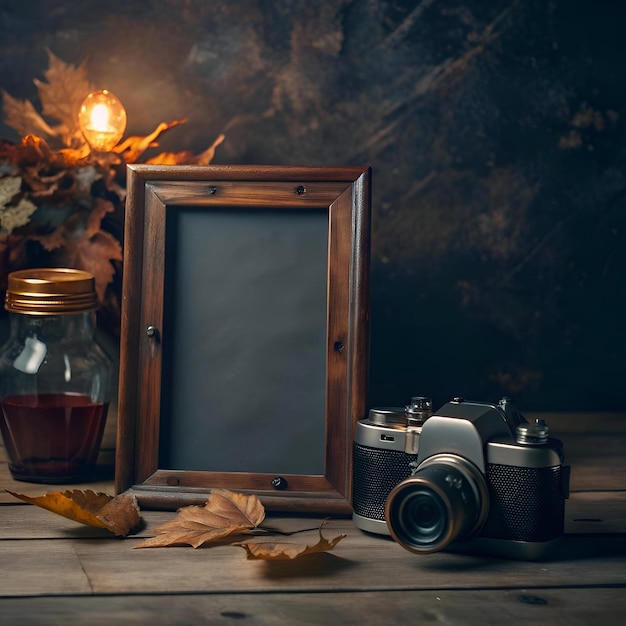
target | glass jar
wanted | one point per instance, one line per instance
(55, 380)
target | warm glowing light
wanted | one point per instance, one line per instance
(102, 120)
(100, 117)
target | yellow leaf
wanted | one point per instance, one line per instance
(205, 158)
(225, 513)
(187, 157)
(119, 514)
(133, 147)
(287, 551)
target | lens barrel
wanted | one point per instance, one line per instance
(444, 500)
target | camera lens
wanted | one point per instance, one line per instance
(423, 516)
(446, 499)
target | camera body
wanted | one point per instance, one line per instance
(384, 454)
(484, 481)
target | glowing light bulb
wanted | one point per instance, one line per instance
(102, 120)
(100, 117)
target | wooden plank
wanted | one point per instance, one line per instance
(358, 562)
(600, 512)
(76, 562)
(594, 445)
(24, 522)
(40, 568)
(584, 422)
(597, 460)
(550, 607)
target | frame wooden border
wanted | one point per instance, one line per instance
(152, 191)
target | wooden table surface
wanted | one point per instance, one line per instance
(54, 571)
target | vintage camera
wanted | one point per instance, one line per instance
(485, 481)
(385, 453)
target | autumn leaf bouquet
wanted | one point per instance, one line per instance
(61, 202)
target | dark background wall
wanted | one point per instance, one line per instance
(496, 135)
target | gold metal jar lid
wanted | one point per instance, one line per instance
(51, 291)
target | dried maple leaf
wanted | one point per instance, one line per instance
(287, 551)
(83, 245)
(226, 513)
(62, 96)
(119, 514)
(22, 116)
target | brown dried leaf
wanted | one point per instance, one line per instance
(16, 245)
(226, 513)
(62, 96)
(22, 116)
(287, 551)
(94, 255)
(119, 514)
(83, 245)
(32, 150)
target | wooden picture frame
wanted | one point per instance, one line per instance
(157, 198)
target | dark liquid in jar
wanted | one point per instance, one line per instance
(53, 437)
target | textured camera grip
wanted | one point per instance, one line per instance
(526, 504)
(376, 473)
